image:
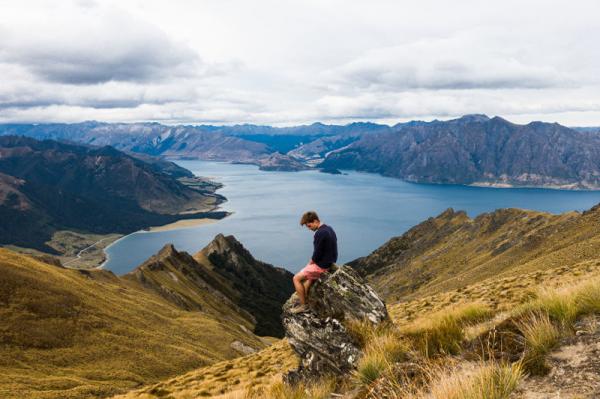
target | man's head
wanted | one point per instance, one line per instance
(311, 220)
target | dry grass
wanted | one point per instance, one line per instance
(550, 315)
(321, 389)
(361, 331)
(316, 390)
(449, 380)
(443, 333)
(72, 334)
(541, 336)
(453, 251)
(587, 297)
(489, 381)
(371, 366)
(385, 346)
(559, 305)
(383, 350)
(240, 376)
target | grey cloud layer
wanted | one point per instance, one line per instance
(464, 61)
(97, 49)
(238, 62)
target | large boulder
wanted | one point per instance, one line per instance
(319, 336)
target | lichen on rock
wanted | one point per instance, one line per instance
(318, 336)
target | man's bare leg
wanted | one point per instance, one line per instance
(307, 283)
(300, 290)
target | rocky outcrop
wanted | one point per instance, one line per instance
(319, 336)
(181, 280)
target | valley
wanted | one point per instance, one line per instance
(61, 198)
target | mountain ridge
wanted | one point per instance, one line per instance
(57, 186)
(477, 150)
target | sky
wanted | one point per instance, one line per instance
(285, 62)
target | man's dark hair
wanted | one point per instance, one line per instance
(309, 217)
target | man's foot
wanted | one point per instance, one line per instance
(299, 309)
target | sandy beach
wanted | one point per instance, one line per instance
(182, 224)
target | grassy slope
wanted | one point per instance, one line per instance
(68, 333)
(453, 250)
(253, 371)
(261, 369)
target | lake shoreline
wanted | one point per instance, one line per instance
(365, 209)
(181, 224)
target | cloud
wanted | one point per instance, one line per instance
(468, 60)
(395, 106)
(85, 54)
(285, 62)
(96, 45)
(22, 90)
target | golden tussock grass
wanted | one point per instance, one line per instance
(259, 374)
(548, 317)
(541, 336)
(240, 376)
(487, 380)
(384, 347)
(444, 332)
(71, 334)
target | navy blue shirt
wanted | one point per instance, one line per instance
(325, 247)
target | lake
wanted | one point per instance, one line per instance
(365, 210)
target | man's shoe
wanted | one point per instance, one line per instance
(299, 309)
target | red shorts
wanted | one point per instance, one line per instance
(312, 271)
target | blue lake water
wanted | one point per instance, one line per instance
(364, 209)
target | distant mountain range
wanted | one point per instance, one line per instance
(239, 143)
(478, 150)
(474, 149)
(49, 185)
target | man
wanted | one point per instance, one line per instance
(324, 255)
